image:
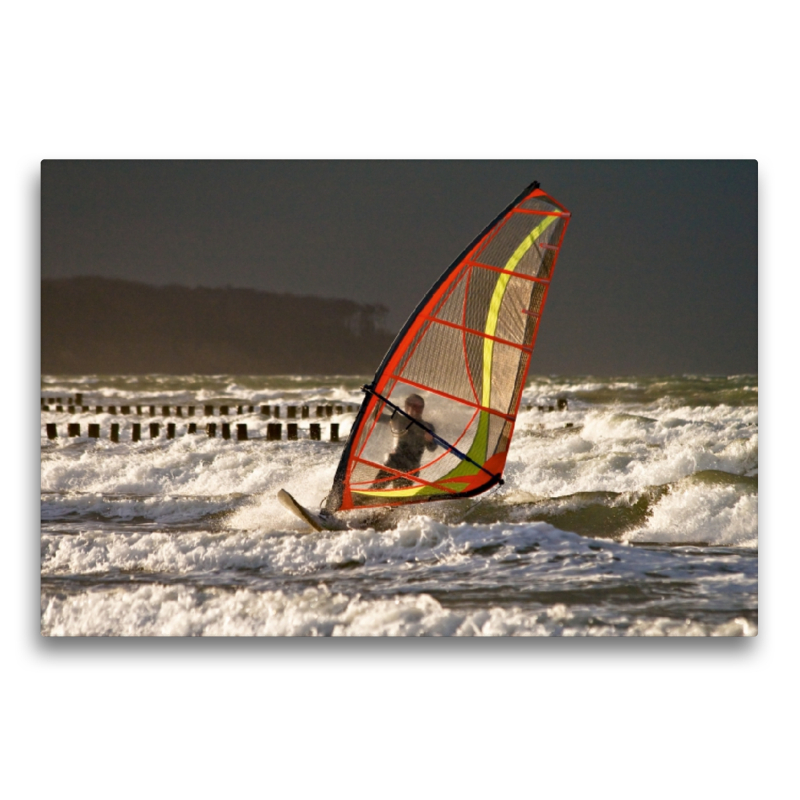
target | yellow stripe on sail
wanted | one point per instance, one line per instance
(411, 492)
(497, 300)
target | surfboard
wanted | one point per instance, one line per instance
(300, 511)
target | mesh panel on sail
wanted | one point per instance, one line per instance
(451, 307)
(482, 284)
(547, 264)
(496, 441)
(502, 246)
(475, 349)
(437, 361)
(365, 429)
(540, 204)
(552, 233)
(531, 262)
(536, 300)
(363, 473)
(505, 363)
(519, 383)
(513, 317)
(443, 465)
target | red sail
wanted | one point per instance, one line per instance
(465, 353)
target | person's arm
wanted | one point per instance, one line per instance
(430, 443)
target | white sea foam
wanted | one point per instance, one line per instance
(714, 515)
(293, 552)
(171, 516)
(193, 465)
(532, 555)
(618, 451)
(608, 450)
(186, 611)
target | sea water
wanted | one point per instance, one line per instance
(634, 511)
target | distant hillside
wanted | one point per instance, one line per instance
(98, 325)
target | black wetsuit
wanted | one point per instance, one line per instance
(409, 445)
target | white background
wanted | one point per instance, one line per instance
(561, 719)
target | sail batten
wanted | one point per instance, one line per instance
(438, 417)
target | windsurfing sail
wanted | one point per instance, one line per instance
(464, 353)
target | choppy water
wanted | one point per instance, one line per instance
(641, 518)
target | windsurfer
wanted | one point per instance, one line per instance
(411, 438)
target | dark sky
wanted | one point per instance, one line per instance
(658, 272)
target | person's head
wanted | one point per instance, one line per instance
(415, 405)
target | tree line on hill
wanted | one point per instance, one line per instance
(94, 325)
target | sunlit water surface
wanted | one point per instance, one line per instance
(633, 512)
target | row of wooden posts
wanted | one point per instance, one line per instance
(274, 431)
(292, 412)
(225, 410)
